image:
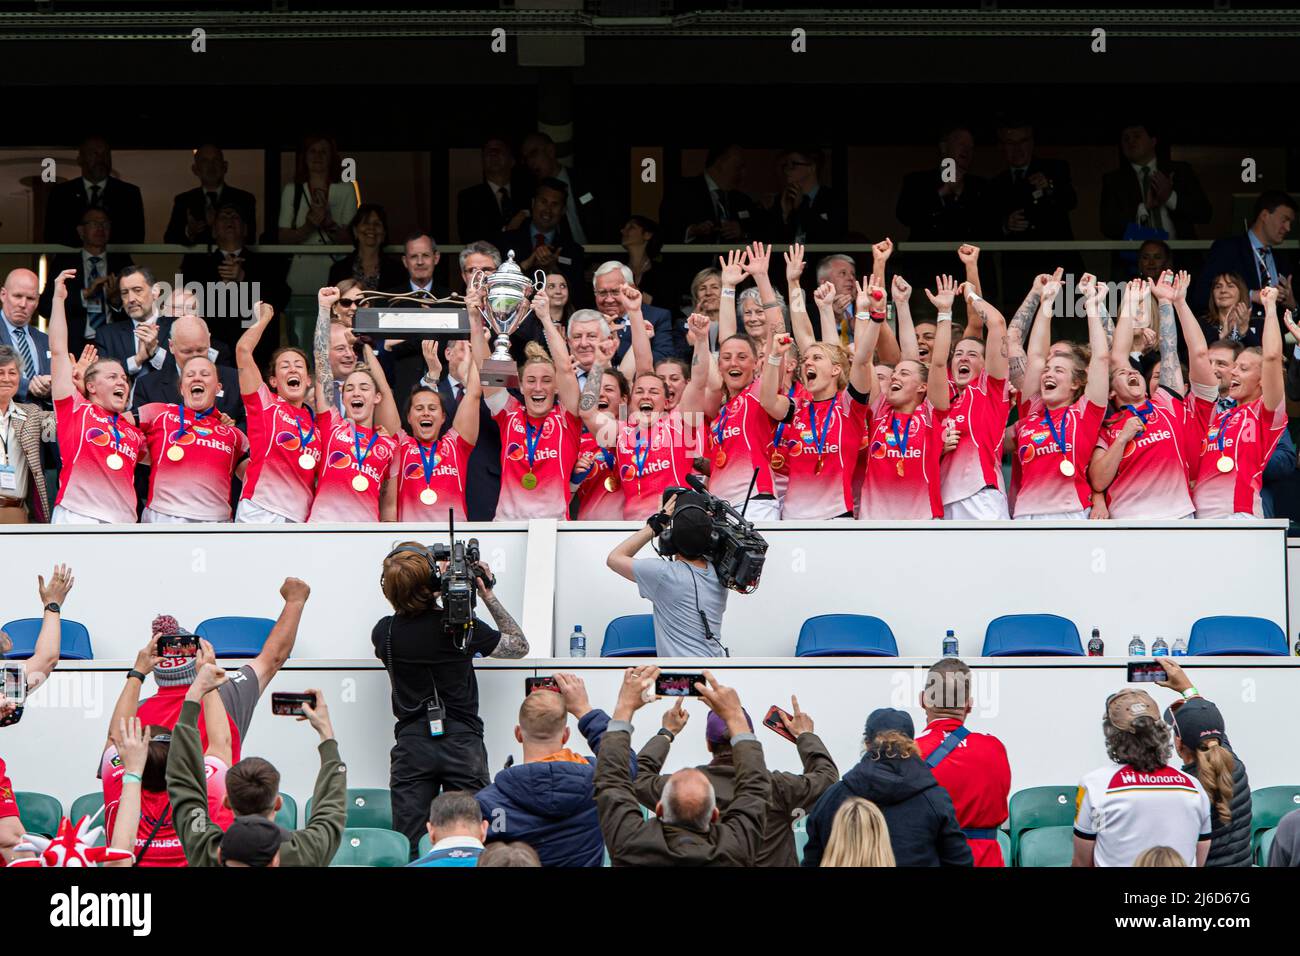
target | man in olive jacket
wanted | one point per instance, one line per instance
(688, 829)
(253, 780)
(793, 794)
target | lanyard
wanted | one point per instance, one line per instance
(720, 425)
(1222, 425)
(780, 426)
(9, 433)
(819, 441)
(640, 453)
(180, 409)
(901, 440)
(305, 440)
(1141, 413)
(429, 461)
(117, 435)
(356, 444)
(1051, 426)
(531, 437)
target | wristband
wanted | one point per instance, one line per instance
(131, 778)
(943, 317)
(775, 360)
(136, 674)
(973, 295)
(877, 316)
(664, 731)
(728, 292)
(578, 477)
(1190, 693)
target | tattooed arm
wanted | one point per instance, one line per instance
(1171, 373)
(325, 299)
(602, 425)
(513, 644)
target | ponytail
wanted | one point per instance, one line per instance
(1214, 766)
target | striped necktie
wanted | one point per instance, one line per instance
(24, 347)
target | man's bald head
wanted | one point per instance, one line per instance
(189, 338)
(18, 296)
(688, 800)
(542, 716)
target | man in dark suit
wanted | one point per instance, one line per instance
(497, 204)
(189, 337)
(610, 277)
(31, 346)
(139, 338)
(1030, 201)
(92, 300)
(231, 262)
(544, 241)
(806, 210)
(1155, 194)
(194, 212)
(710, 207)
(404, 363)
(582, 211)
(94, 188)
(1254, 256)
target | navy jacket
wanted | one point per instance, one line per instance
(922, 824)
(40, 349)
(1234, 254)
(550, 806)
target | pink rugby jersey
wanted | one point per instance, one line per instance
(600, 494)
(979, 414)
(282, 439)
(1151, 481)
(350, 452)
(903, 453)
(194, 457)
(1044, 488)
(652, 459)
(820, 449)
(431, 477)
(91, 442)
(741, 438)
(545, 449)
(1245, 436)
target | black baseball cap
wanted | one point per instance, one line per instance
(251, 840)
(885, 719)
(1197, 721)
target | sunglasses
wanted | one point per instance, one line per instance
(349, 303)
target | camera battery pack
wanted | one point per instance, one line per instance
(435, 715)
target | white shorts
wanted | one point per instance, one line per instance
(149, 516)
(1235, 516)
(249, 513)
(760, 509)
(987, 504)
(1059, 516)
(61, 515)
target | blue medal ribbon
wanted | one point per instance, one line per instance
(780, 426)
(531, 437)
(1222, 425)
(180, 410)
(640, 453)
(1051, 427)
(305, 440)
(429, 461)
(819, 441)
(356, 444)
(901, 441)
(1142, 413)
(117, 435)
(720, 425)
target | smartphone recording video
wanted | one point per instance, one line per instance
(1145, 672)
(290, 705)
(678, 685)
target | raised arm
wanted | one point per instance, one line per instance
(824, 298)
(513, 644)
(994, 325)
(1272, 377)
(602, 425)
(937, 379)
(880, 253)
(61, 378)
(794, 295)
(325, 300)
(1121, 344)
(694, 394)
(209, 676)
(1199, 370)
(566, 380)
(866, 333)
(387, 416)
(907, 344)
(1040, 340)
(642, 351)
(133, 749)
(45, 656)
(250, 376)
(770, 396)
(1171, 372)
(1098, 384)
(732, 275)
(467, 413)
(970, 259)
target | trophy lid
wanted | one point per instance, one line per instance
(509, 266)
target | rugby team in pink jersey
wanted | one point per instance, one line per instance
(792, 423)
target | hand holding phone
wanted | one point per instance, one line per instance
(540, 683)
(1145, 672)
(678, 685)
(290, 705)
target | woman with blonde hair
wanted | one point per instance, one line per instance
(1159, 856)
(859, 836)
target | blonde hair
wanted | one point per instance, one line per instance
(534, 354)
(837, 354)
(1159, 856)
(1214, 766)
(859, 836)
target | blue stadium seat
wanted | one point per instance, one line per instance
(23, 632)
(1226, 634)
(845, 635)
(236, 636)
(1032, 635)
(632, 635)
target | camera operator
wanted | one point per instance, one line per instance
(439, 734)
(687, 596)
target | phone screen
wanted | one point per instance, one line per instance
(178, 645)
(539, 683)
(290, 705)
(1145, 672)
(15, 683)
(678, 685)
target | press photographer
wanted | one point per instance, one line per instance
(712, 549)
(428, 647)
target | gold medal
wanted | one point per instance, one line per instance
(821, 463)
(114, 461)
(175, 453)
(778, 459)
(899, 468)
(360, 483)
(428, 496)
(529, 481)
(611, 483)
(720, 459)
(306, 462)
(1225, 464)
(1067, 468)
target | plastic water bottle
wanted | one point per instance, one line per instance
(1095, 646)
(1136, 648)
(1159, 648)
(1297, 645)
(577, 642)
(949, 643)
(1180, 648)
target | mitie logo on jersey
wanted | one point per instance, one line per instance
(1146, 440)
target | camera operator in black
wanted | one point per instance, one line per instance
(439, 734)
(687, 597)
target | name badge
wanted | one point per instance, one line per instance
(564, 260)
(586, 198)
(743, 214)
(8, 478)
(435, 715)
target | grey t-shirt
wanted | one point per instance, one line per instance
(672, 586)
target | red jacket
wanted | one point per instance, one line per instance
(977, 776)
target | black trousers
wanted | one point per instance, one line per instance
(421, 767)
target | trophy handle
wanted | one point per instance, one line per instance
(477, 280)
(539, 280)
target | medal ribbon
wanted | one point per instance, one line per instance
(305, 440)
(780, 426)
(356, 444)
(819, 441)
(1141, 413)
(117, 435)
(901, 441)
(719, 426)
(531, 437)
(429, 461)
(1224, 419)
(639, 455)
(1051, 427)
(180, 410)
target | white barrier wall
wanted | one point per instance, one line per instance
(1047, 712)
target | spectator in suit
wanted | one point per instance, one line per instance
(194, 212)
(1149, 192)
(582, 209)
(138, 340)
(805, 210)
(477, 257)
(607, 282)
(401, 358)
(17, 306)
(710, 207)
(841, 271)
(639, 237)
(95, 188)
(189, 338)
(545, 242)
(24, 496)
(1254, 256)
(586, 330)
(937, 207)
(97, 270)
(232, 262)
(499, 203)
(1030, 201)
(367, 264)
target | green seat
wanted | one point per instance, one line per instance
(1267, 808)
(40, 813)
(1047, 846)
(287, 815)
(1265, 846)
(1039, 807)
(368, 808)
(800, 827)
(424, 846)
(370, 846)
(1004, 844)
(88, 805)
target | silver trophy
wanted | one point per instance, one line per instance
(505, 305)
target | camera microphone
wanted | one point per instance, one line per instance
(697, 482)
